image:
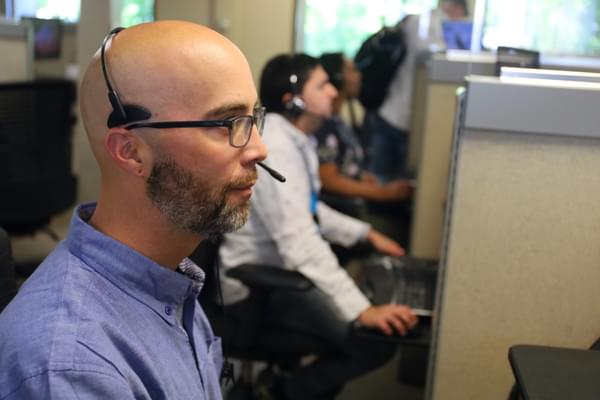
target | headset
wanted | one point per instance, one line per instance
(296, 105)
(121, 114)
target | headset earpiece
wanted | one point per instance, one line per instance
(121, 114)
(295, 106)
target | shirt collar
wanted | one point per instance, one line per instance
(282, 124)
(159, 287)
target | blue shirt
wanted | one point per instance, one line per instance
(98, 320)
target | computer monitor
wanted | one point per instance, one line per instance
(515, 57)
(457, 34)
(47, 37)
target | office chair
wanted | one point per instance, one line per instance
(248, 337)
(36, 182)
(515, 391)
(514, 57)
(8, 282)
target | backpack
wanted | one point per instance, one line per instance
(378, 59)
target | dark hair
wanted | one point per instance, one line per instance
(275, 78)
(333, 63)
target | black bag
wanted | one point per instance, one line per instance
(378, 59)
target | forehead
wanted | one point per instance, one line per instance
(316, 76)
(205, 86)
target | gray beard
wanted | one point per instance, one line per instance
(190, 202)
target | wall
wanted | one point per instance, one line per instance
(13, 41)
(94, 24)
(261, 28)
(196, 11)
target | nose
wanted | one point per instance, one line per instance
(333, 91)
(255, 150)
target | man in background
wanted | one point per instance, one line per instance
(390, 124)
(290, 227)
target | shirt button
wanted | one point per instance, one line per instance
(168, 310)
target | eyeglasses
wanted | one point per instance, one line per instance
(240, 127)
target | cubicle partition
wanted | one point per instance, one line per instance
(431, 131)
(431, 138)
(521, 255)
(16, 56)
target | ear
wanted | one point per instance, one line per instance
(129, 151)
(286, 98)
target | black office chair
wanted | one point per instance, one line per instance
(36, 126)
(247, 336)
(515, 391)
(8, 282)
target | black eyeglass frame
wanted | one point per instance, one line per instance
(257, 118)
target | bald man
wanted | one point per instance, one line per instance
(112, 312)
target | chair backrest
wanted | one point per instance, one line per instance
(36, 126)
(245, 335)
(8, 282)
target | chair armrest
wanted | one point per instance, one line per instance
(269, 277)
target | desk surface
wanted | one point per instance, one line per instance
(554, 373)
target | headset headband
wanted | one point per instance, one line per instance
(121, 114)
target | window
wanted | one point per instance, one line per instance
(553, 27)
(123, 12)
(132, 12)
(342, 25)
(66, 10)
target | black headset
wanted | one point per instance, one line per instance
(121, 114)
(295, 105)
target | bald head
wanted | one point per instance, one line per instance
(174, 69)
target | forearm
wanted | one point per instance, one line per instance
(343, 186)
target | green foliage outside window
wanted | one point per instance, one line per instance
(342, 25)
(136, 11)
(553, 27)
(124, 12)
(67, 10)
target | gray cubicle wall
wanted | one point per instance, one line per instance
(431, 131)
(431, 139)
(521, 255)
(16, 55)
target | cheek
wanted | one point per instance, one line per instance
(203, 156)
(217, 165)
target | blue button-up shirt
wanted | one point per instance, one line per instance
(98, 320)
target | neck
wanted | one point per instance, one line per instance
(308, 123)
(142, 227)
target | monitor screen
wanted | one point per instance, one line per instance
(457, 34)
(47, 37)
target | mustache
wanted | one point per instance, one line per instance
(244, 181)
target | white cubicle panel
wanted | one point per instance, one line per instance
(16, 53)
(552, 74)
(521, 255)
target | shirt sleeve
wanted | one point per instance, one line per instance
(340, 228)
(289, 223)
(327, 149)
(73, 384)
